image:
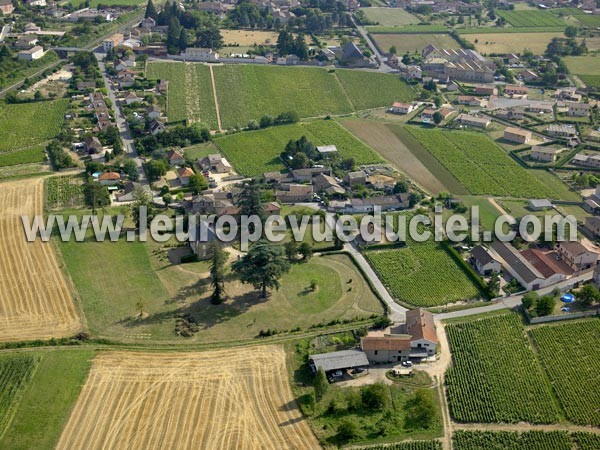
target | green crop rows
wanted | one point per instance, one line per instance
(511, 440)
(63, 191)
(408, 445)
(31, 155)
(15, 371)
(422, 274)
(531, 18)
(255, 152)
(28, 124)
(479, 164)
(372, 90)
(568, 354)
(495, 376)
(586, 441)
(190, 96)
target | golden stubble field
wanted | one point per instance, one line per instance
(35, 301)
(224, 399)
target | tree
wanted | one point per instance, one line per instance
(183, 41)
(493, 285)
(198, 183)
(401, 187)
(393, 50)
(142, 199)
(173, 33)
(151, 11)
(437, 117)
(262, 267)
(291, 250)
(140, 307)
(155, 169)
(131, 169)
(374, 396)
(530, 299)
(320, 384)
(545, 305)
(347, 430)
(299, 161)
(209, 38)
(314, 284)
(217, 272)
(249, 201)
(96, 195)
(420, 410)
(588, 295)
(571, 31)
(306, 251)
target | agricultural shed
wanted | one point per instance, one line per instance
(342, 360)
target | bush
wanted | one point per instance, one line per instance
(374, 396)
(347, 430)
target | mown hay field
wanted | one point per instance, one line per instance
(511, 42)
(35, 300)
(413, 43)
(223, 399)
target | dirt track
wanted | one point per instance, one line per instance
(35, 301)
(226, 399)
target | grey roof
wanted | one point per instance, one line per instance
(540, 203)
(344, 359)
(481, 254)
(516, 261)
(351, 51)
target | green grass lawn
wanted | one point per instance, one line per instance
(373, 90)
(585, 67)
(199, 151)
(487, 212)
(190, 95)
(389, 17)
(31, 155)
(240, 148)
(247, 92)
(48, 398)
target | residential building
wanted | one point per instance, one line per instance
(592, 226)
(540, 107)
(295, 193)
(128, 62)
(201, 241)
(358, 177)
(473, 121)
(469, 100)
(402, 108)
(515, 113)
(386, 349)
(561, 130)
(576, 109)
(93, 145)
(306, 175)
(483, 261)
(26, 41)
(328, 185)
(514, 90)
(200, 54)
(517, 135)
(153, 112)
(112, 42)
(385, 203)
(568, 94)
(184, 174)
(175, 158)
(485, 90)
(157, 127)
(576, 255)
(545, 154)
(586, 160)
(109, 178)
(6, 7)
(132, 97)
(420, 326)
(528, 76)
(215, 163)
(31, 54)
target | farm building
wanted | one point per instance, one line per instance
(576, 255)
(420, 326)
(334, 361)
(483, 261)
(358, 177)
(473, 121)
(402, 108)
(539, 204)
(517, 135)
(31, 54)
(327, 150)
(545, 154)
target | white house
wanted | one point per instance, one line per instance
(483, 261)
(402, 108)
(200, 54)
(31, 54)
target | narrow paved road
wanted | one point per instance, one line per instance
(383, 67)
(121, 122)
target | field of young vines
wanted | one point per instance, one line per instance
(28, 124)
(422, 274)
(495, 375)
(567, 356)
(532, 18)
(64, 191)
(511, 440)
(586, 441)
(15, 371)
(408, 445)
(480, 165)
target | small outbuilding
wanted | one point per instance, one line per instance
(342, 360)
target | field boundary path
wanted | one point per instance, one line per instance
(216, 100)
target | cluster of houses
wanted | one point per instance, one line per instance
(415, 340)
(461, 65)
(534, 268)
(101, 112)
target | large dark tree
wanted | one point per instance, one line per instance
(262, 267)
(250, 202)
(217, 272)
(151, 11)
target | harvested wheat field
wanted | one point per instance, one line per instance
(35, 301)
(224, 399)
